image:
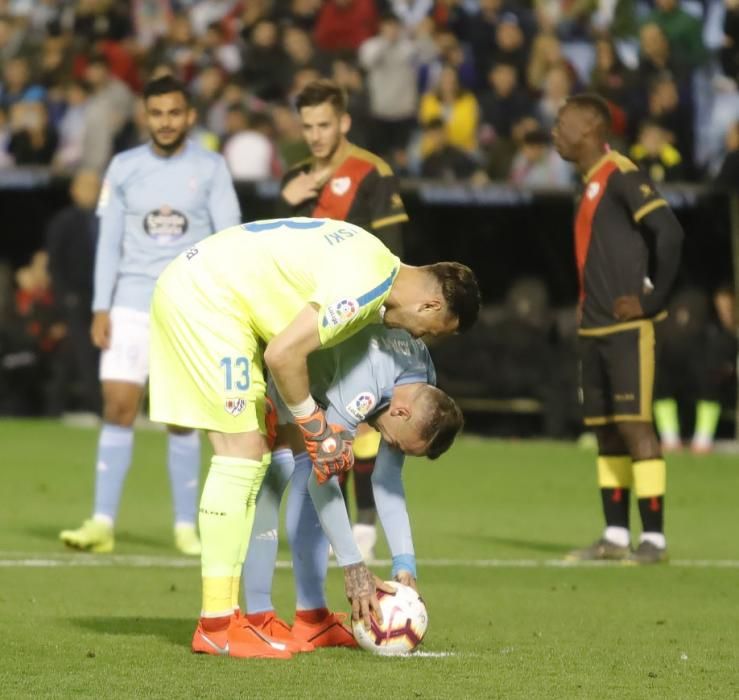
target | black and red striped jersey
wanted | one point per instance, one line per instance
(612, 250)
(362, 190)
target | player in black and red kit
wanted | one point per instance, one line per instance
(342, 181)
(627, 248)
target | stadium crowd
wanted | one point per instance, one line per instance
(440, 88)
(443, 89)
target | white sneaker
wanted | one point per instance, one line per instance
(186, 540)
(366, 537)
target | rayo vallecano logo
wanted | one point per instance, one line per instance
(340, 185)
(341, 312)
(234, 406)
(165, 224)
(361, 405)
(592, 191)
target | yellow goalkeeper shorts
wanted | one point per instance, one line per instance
(205, 368)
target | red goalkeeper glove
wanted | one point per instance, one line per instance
(329, 446)
(270, 422)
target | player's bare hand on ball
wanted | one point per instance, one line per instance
(627, 308)
(361, 591)
(407, 579)
(100, 330)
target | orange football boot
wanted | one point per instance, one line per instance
(272, 626)
(322, 628)
(238, 639)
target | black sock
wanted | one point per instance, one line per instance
(616, 507)
(652, 512)
(363, 494)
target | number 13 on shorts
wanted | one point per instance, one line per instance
(235, 373)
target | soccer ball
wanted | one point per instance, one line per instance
(404, 623)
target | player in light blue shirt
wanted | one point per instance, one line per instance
(383, 376)
(157, 200)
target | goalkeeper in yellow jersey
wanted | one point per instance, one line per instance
(270, 293)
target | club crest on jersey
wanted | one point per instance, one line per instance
(341, 312)
(592, 191)
(340, 185)
(361, 405)
(165, 224)
(235, 406)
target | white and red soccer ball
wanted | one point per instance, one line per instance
(404, 623)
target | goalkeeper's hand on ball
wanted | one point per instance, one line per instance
(329, 446)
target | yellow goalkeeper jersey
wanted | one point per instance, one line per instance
(265, 272)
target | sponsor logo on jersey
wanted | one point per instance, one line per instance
(400, 346)
(165, 224)
(342, 311)
(235, 406)
(340, 185)
(361, 405)
(592, 191)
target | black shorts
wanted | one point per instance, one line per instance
(617, 372)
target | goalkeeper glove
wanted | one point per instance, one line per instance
(329, 446)
(270, 422)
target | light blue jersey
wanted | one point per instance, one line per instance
(356, 378)
(353, 381)
(151, 209)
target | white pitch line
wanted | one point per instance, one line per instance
(136, 561)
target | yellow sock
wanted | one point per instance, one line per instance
(216, 596)
(650, 478)
(614, 472)
(235, 583)
(223, 512)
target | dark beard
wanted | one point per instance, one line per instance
(170, 148)
(332, 151)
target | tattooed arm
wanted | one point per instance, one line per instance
(361, 588)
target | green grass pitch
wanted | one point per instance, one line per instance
(491, 520)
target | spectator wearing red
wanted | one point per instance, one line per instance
(121, 62)
(34, 304)
(344, 24)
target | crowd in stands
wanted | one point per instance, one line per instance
(450, 89)
(454, 90)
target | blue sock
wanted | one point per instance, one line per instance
(115, 445)
(259, 567)
(308, 543)
(183, 464)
